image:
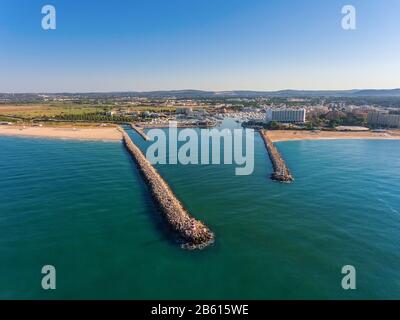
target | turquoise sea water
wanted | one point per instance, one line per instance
(82, 207)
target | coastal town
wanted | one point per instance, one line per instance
(31, 114)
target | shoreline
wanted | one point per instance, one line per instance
(105, 134)
(302, 135)
(112, 134)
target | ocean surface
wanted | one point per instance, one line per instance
(83, 208)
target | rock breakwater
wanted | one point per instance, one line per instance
(281, 172)
(140, 131)
(193, 233)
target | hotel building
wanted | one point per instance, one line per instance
(384, 119)
(286, 115)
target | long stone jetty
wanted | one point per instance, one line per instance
(140, 131)
(281, 172)
(193, 233)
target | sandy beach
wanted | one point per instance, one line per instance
(286, 135)
(76, 133)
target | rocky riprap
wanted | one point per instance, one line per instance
(281, 172)
(140, 131)
(193, 233)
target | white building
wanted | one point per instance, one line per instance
(111, 113)
(186, 111)
(286, 115)
(384, 119)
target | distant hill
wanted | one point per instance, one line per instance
(378, 93)
(230, 94)
(252, 94)
(281, 93)
(313, 93)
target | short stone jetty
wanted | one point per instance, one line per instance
(281, 172)
(193, 233)
(140, 131)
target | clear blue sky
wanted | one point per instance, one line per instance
(123, 45)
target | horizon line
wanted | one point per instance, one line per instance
(201, 90)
